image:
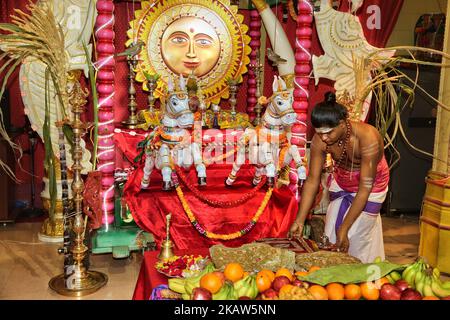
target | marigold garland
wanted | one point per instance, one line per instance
(230, 236)
(219, 203)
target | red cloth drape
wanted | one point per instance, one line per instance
(149, 208)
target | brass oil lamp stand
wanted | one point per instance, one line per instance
(257, 70)
(81, 281)
(167, 245)
(151, 85)
(233, 87)
(133, 121)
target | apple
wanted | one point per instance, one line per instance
(244, 298)
(446, 298)
(201, 294)
(390, 292)
(279, 282)
(270, 293)
(402, 285)
(300, 284)
(411, 294)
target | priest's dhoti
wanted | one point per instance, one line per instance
(366, 233)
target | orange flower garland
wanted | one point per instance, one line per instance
(218, 203)
(230, 236)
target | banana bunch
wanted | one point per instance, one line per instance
(426, 280)
(227, 292)
(194, 282)
(246, 287)
(394, 276)
(414, 274)
(186, 285)
(177, 285)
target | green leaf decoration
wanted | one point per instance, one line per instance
(92, 78)
(49, 160)
(351, 273)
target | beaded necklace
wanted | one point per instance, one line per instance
(343, 144)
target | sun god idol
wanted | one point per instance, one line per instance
(190, 44)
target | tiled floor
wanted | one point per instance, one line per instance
(27, 265)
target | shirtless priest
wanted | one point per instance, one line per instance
(358, 185)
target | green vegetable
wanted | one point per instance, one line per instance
(351, 273)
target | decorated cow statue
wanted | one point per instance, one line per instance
(170, 144)
(268, 144)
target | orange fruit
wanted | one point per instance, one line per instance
(286, 288)
(284, 272)
(313, 268)
(430, 298)
(211, 282)
(369, 291)
(268, 273)
(233, 272)
(301, 273)
(379, 283)
(335, 291)
(352, 291)
(318, 292)
(263, 282)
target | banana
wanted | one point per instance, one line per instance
(190, 284)
(395, 275)
(186, 296)
(246, 287)
(420, 281)
(437, 288)
(232, 295)
(411, 275)
(177, 285)
(223, 293)
(427, 291)
(446, 285)
(436, 273)
(390, 279)
(407, 270)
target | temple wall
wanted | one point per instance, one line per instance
(441, 144)
(403, 33)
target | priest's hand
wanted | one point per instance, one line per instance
(342, 242)
(296, 230)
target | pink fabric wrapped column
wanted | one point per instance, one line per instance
(255, 43)
(105, 87)
(302, 76)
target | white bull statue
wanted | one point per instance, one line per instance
(170, 144)
(268, 144)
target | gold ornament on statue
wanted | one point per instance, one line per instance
(167, 245)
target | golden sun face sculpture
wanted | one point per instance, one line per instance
(201, 37)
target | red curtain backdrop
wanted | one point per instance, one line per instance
(389, 9)
(124, 12)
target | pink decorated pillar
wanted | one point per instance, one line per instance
(104, 32)
(255, 43)
(302, 72)
(302, 75)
